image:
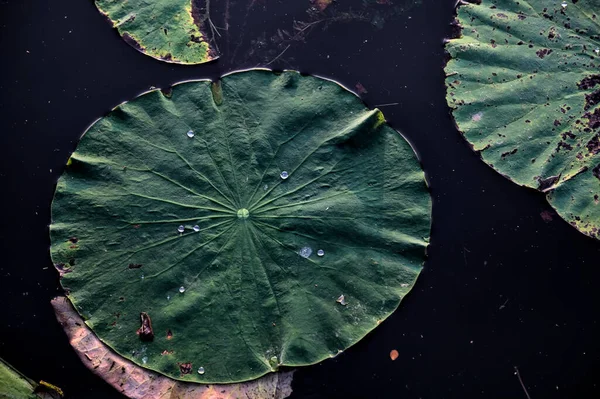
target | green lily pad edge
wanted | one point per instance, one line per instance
(523, 85)
(338, 307)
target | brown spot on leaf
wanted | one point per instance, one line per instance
(394, 354)
(135, 265)
(185, 368)
(592, 99)
(543, 52)
(593, 119)
(74, 240)
(504, 155)
(145, 331)
(62, 269)
(596, 173)
(589, 82)
(169, 334)
(593, 145)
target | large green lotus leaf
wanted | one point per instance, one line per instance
(524, 82)
(174, 207)
(168, 30)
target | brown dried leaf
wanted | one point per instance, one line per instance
(136, 382)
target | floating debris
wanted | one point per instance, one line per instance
(394, 354)
(145, 331)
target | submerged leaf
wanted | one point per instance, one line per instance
(242, 263)
(524, 85)
(168, 30)
(136, 382)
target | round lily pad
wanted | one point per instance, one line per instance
(524, 85)
(220, 230)
(168, 30)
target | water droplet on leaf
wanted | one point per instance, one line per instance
(144, 360)
(182, 289)
(190, 134)
(284, 175)
(201, 370)
(341, 300)
(181, 229)
(196, 228)
(320, 252)
(305, 252)
(564, 4)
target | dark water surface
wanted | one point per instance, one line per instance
(501, 288)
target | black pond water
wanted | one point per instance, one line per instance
(502, 287)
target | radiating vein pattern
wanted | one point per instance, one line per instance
(204, 233)
(524, 85)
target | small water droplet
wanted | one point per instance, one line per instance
(284, 175)
(144, 360)
(305, 252)
(341, 300)
(196, 228)
(190, 133)
(564, 4)
(201, 370)
(142, 277)
(320, 252)
(168, 297)
(266, 187)
(597, 51)
(182, 289)
(403, 285)
(181, 229)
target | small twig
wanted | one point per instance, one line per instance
(280, 54)
(503, 305)
(386, 105)
(521, 381)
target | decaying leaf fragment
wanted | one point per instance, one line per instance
(524, 85)
(168, 30)
(145, 331)
(138, 383)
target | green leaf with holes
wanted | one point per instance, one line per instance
(524, 85)
(168, 30)
(264, 220)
